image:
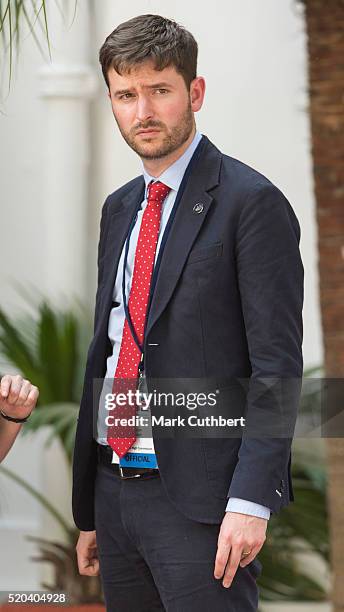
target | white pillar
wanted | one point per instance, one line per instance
(67, 86)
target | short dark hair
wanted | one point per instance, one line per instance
(150, 37)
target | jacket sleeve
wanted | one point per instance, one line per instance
(270, 279)
(84, 457)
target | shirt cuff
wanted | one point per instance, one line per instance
(247, 507)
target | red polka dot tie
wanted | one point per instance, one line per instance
(122, 437)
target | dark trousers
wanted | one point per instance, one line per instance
(153, 558)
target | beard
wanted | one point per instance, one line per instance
(174, 137)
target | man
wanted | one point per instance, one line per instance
(18, 398)
(199, 278)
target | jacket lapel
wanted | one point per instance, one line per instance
(119, 222)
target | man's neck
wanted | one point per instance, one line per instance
(155, 167)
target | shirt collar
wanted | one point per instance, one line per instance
(173, 175)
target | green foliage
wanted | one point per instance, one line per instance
(40, 498)
(80, 589)
(50, 351)
(62, 557)
(301, 527)
(13, 15)
(19, 17)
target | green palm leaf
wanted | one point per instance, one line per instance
(40, 498)
(61, 419)
(50, 351)
(13, 346)
(57, 352)
(12, 14)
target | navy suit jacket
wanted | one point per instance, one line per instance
(227, 304)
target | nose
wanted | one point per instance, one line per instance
(144, 109)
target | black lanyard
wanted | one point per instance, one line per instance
(181, 190)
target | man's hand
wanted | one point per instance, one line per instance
(18, 396)
(238, 533)
(86, 550)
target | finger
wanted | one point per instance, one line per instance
(246, 560)
(223, 551)
(23, 393)
(90, 570)
(83, 564)
(88, 567)
(15, 387)
(32, 397)
(85, 572)
(232, 565)
(94, 567)
(5, 385)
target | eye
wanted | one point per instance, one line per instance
(126, 96)
(161, 90)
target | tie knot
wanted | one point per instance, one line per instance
(157, 191)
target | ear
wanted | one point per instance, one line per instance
(197, 92)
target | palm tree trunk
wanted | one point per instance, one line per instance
(325, 28)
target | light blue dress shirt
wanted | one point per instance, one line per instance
(172, 177)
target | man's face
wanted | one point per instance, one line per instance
(153, 109)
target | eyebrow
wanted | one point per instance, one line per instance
(161, 85)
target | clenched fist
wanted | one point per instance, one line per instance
(18, 398)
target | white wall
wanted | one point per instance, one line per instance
(253, 57)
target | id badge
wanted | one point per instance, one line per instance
(142, 453)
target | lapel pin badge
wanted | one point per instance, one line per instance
(198, 208)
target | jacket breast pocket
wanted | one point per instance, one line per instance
(202, 253)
